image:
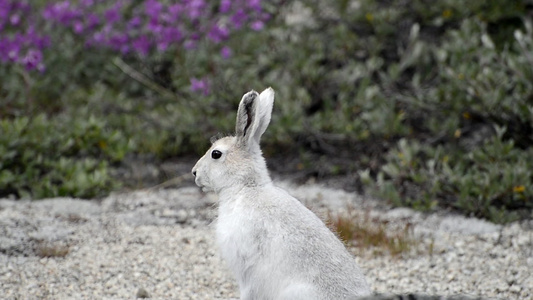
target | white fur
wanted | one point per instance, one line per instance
(275, 246)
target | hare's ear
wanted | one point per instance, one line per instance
(253, 116)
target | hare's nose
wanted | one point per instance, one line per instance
(194, 173)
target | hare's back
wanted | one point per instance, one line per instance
(282, 243)
(311, 248)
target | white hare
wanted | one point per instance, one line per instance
(275, 246)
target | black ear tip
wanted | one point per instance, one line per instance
(249, 98)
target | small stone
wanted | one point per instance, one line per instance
(515, 289)
(142, 294)
(167, 213)
(182, 216)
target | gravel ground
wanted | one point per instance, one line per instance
(159, 244)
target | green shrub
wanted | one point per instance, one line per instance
(470, 145)
(42, 158)
(429, 100)
(445, 87)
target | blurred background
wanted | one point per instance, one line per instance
(420, 103)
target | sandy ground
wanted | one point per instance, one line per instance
(160, 244)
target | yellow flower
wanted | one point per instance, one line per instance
(102, 144)
(467, 116)
(457, 133)
(519, 189)
(446, 13)
(369, 17)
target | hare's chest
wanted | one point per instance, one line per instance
(240, 237)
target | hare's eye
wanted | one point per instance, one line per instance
(216, 154)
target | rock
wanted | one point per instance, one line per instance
(181, 216)
(142, 294)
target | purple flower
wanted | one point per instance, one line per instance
(218, 33)
(32, 59)
(152, 8)
(61, 12)
(257, 25)
(112, 15)
(171, 34)
(98, 38)
(175, 10)
(14, 19)
(4, 11)
(87, 3)
(195, 8)
(11, 48)
(154, 26)
(162, 45)
(42, 42)
(78, 27)
(150, 24)
(133, 23)
(200, 85)
(190, 44)
(225, 6)
(192, 41)
(226, 52)
(142, 45)
(168, 36)
(8, 50)
(92, 21)
(254, 4)
(125, 49)
(118, 40)
(13, 54)
(238, 18)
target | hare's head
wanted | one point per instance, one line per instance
(237, 161)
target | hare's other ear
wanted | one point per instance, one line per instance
(253, 116)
